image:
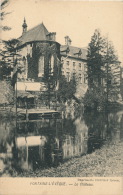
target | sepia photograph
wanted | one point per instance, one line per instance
(61, 92)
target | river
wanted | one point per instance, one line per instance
(48, 142)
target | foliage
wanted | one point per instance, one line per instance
(8, 57)
(121, 88)
(95, 98)
(66, 89)
(3, 14)
(111, 68)
(6, 93)
(95, 58)
(10, 93)
(101, 62)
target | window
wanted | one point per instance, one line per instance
(74, 65)
(80, 66)
(25, 66)
(85, 79)
(85, 68)
(41, 67)
(80, 78)
(68, 76)
(52, 65)
(67, 64)
(79, 148)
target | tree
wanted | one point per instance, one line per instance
(95, 99)
(111, 73)
(9, 61)
(9, 57)
(7, 52)
(121, 88)
(101, 62)
(95, 59)
(3, 14)
(66, 89)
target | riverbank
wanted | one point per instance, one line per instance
(105, 162)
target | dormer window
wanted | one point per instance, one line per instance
(80, 53)
(67, 50)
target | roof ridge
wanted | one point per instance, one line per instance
(74, 47)
(34, 28)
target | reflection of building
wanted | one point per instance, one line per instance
(30, 151)
(76, 145)
(46, 142)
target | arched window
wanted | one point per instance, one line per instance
(25, 67)
(51, 65)
(41, 67)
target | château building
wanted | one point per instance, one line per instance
(43, 59)
(40, 54)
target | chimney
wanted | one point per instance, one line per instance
(67, 41)
(53, 36)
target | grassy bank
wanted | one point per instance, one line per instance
(106, 162)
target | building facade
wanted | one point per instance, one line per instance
(39, 55)
(74, 61)
(42, 58)
(74, 64)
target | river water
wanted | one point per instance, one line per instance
(47, 142)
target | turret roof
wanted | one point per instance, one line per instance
(38, 33)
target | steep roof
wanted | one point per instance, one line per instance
(75, 52)
(38, 33)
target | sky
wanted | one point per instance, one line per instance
(77, 19)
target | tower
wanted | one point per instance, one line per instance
(24, 26)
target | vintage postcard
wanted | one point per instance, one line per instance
(61, 97)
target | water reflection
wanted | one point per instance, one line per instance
(48, 142)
